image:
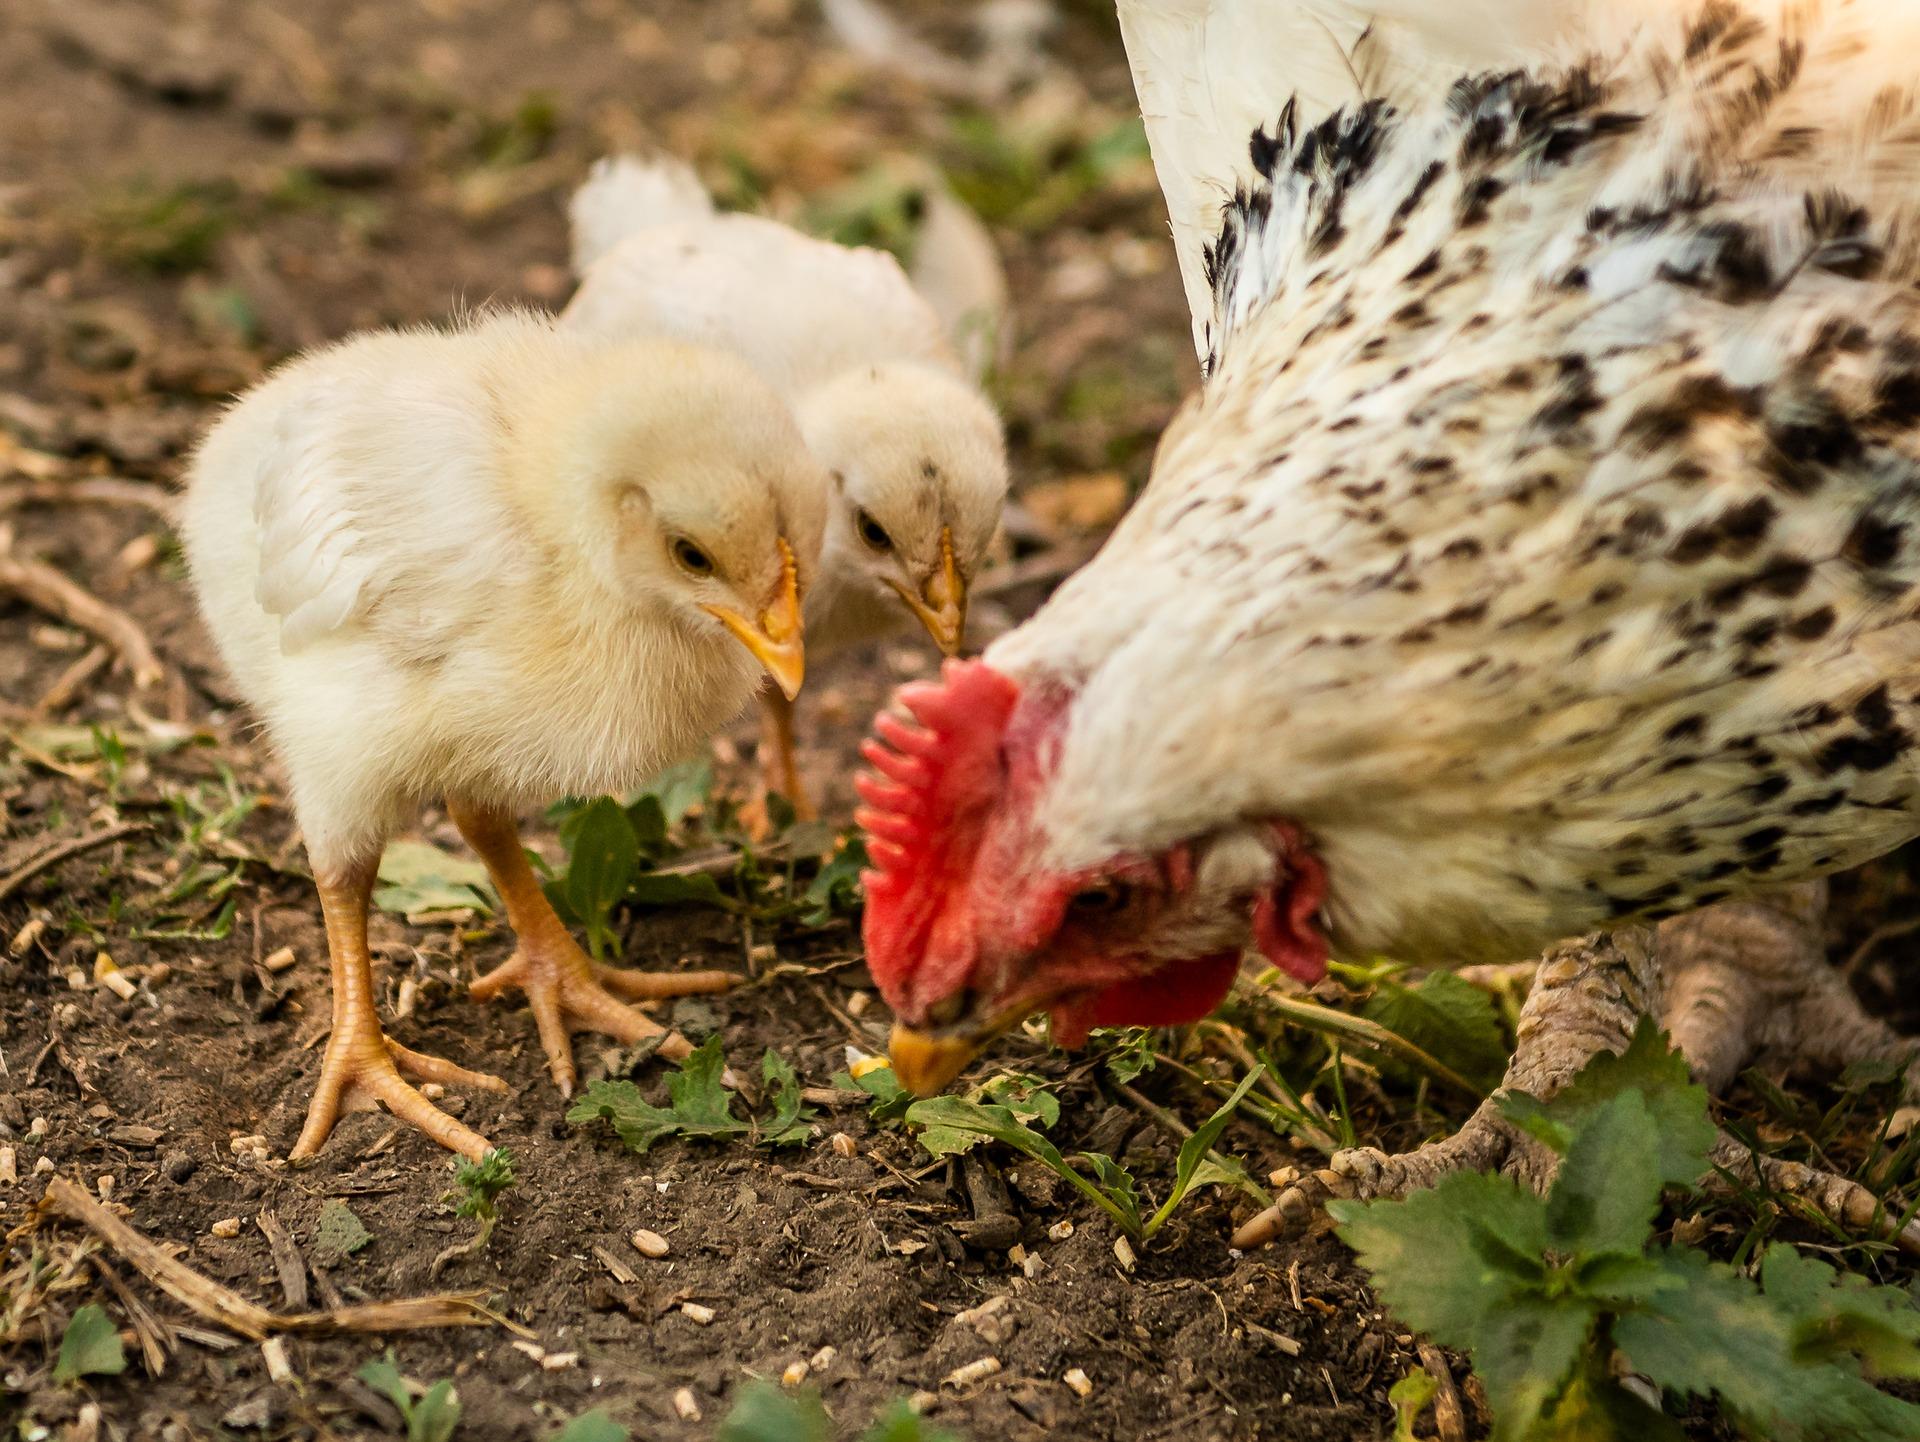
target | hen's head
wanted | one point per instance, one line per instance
(976, 918)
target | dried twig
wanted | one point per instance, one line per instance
(1449, 1417)
(67, 684)
(64, 851)
(1053, 564)
(288, 1264)
(101, 490)
(41, 585)
(227, 1308)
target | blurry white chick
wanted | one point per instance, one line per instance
(497, 564)
(914, 450)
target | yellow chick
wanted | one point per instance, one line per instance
(496, 565)
(914, 450)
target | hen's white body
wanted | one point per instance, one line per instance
(1545, 538)
(408, 600)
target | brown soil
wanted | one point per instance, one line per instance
(190, 189)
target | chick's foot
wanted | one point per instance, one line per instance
(363, 1066)
(566, 991)
(1728, 982)
(779, 767)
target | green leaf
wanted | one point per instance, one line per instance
(1130, 1050)
(791, 1123)
(601, 864)
(649, 825)
(1448, 1018)
(1408, 1397)
(680, 789)
(900, 1423)
(891, 1101)
(950, 1121)
(766, 1414)
(1118, 1183)
(1655, 1070)
(1712, 1331)
(1444, 1258)
(1193, 1152)
(479, 1184)
(1027, 1097)
(338, 1233)
(594, 1426)
(1607, 1192)
(835, 888)
(90, 1347)
(1836, 1314)
(653, 888)
(698, 1106)
(384, 1377)
(417, 877)
(435, 1415)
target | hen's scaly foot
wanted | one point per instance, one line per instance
(363, 1066)
(567, 993)
(366, 1070)
(1588, 997)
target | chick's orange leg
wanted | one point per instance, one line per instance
(363, 1067)
(566, 991)
(779, 766)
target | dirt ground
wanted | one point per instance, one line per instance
(191, 189)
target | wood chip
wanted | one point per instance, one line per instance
(795, 1374)
(823, 1359)
(274, 1350)
(1449, 1416)
(288, 1264)
(1060, 1231)
(685, 1405)
(9, 1167)
(226, 1227)
(700, 1316)
(26, 936)
(1123, 1253)
(618, 1269)
(843, 1145)
(650, 1244)
(971, 1373)
(1079, 1381)
(278, 961)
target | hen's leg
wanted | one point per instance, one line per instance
(1727, 981)
(363, 1065)
(566, 990)
(779, 765)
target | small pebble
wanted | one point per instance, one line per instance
(37, 1127)
(823, 1359)
(858, 1002)
(795, 1374)
(685, 1405)
(42, 1164)
(274, 1350)
(695, 1313)
(843, 1145)
(226, 1227)
(241, 1145)
(178, 1166)
(1081, 1383)
(9, 1173)
(650, 1244)
(278, 961)
(1060, 1231)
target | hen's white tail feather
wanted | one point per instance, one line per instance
(624, 195)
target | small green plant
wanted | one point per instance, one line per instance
(594, 1426)
(699, 1105)
(764, 1413)
(1543, 1291)
(90, 1347)
(430, 1416)
(478, 1186)
(338, 1234)
(417, 878)
(1004, 1109)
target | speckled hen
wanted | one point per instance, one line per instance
(1539, 556)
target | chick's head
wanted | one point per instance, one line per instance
(684, 483)
(919, 470)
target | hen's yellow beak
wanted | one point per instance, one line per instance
(775, 640)
(924, 1063)
(942, 606)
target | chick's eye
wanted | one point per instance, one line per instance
(873, 533)
(1100, 900)
(691, 558)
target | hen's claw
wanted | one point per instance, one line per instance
(362, 1068)
(567, 993)
(1727, 981)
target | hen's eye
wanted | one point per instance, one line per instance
(873, 533)
(691, 558)
(1100, 900)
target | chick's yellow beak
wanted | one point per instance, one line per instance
(942, 604)
(924, 1063)
(775, 640)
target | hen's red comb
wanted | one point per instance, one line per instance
(932, 788)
